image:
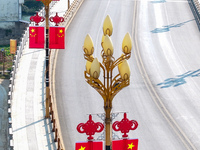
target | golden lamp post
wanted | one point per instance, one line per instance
(110, 85)
(46, 4)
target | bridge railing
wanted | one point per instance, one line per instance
(195, 7)
(68, 16)
(70, 13)
(16, 60)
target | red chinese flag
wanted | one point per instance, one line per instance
(57, 37)
(126, 144)
(36, 37)
(89, 145)
(44, 0)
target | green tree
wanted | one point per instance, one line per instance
(31, 6)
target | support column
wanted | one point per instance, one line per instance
(68, 4)
(107, 128)
(47, 61)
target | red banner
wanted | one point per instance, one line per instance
(126, 144)
(44, 0)
(89, 145)
(57, 37)
(36, 37)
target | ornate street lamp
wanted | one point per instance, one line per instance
(46, 4)
(110, 85)
(56, 19)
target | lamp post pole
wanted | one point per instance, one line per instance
(111, 85)
(3, 59)
(56, 19)
(46, 4)
(68, 4)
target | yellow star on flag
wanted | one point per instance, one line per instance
(33, 30)
(130, 146)
(61, 31)
(82, 148)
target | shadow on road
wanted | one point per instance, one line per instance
(168, 27)
(158, 1)
(179, 79)
(28, 125)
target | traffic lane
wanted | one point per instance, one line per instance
(76, 98)
(153, 131)
(171, 58)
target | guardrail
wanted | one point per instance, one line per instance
(195, 7)
(68, 16)
(70, 13)
(16, 61)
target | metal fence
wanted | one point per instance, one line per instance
(195, 7)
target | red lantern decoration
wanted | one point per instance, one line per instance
(90, 127)
(125, 125)
(56, 19)
(37, 19)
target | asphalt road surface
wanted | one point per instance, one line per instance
(164, 68)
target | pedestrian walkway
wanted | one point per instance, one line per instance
(30, 130)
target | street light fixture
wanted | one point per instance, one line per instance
(56, 19)
(110, 85)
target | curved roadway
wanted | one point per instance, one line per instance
(167, 40)
(171, 57)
